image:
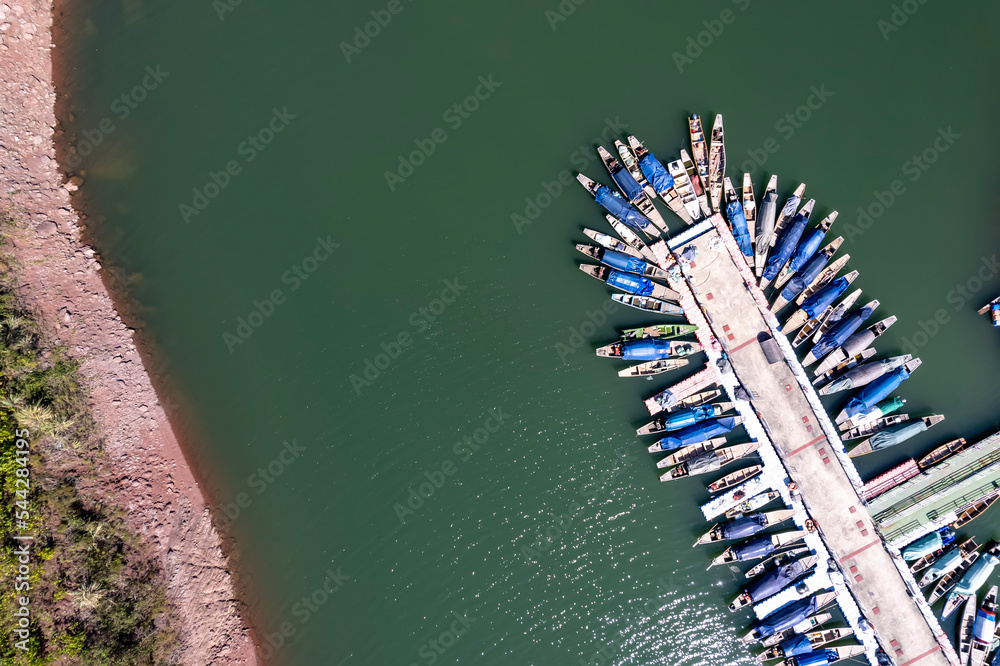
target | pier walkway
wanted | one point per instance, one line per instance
(806, 441)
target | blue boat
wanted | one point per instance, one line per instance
(806, 249)
(836, 336)
(805, 277)
(630, 187)
(696, 433)
(871, 394)
(630, 282)
(615, 204)
(787, 242)
(737, 219)
(622, 262)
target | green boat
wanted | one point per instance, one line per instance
(658, 331)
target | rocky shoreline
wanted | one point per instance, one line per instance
(144, 470)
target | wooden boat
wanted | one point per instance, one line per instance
(743, 599)
(749, 209)
(964, 629)
(856, 342)
(653, 367)
(965, 550)
(722, 457)
(993, 307)
(844, 366)
(763, 244)
(699, 148)
(838, 313)
(670, 197)
(865, 447)
(630, 238)
(678, 349)
(771, 518)
(823, 599)
(658, 426)
(632, 166)
(592, 186)
(785, 275)
(811, 622)
(872, 427)
(690, 451)
(787, 213)
(805, 211)
(595, 253)
(603, 272)
(954, 600)
(941, 453)
(647, 304)
(737, 477)
(779, 560)
(828, 251)
(696, 185)
(983, 629)
(716, 163)
(612, 243)
(694, 400)
(684, 188)
(639, 198)
(817, 639)
(665, 331)
(950, 580)
(845, 652)
(825, 278)
(975, 509)
(753, 503)
(799, 317)
(778, 540)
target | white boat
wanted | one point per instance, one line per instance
(750, 209)
(764, 232)
(631, 238)
(653, 367)
(611, 243)
(716, 163)
(788, 211)
(683, 186)
(696, 183)
(699, 148)
(632, 165)
(753, 503)
(964, 632)
(648, 304)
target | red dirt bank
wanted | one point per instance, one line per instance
(145, 470)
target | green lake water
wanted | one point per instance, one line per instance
(287, 137)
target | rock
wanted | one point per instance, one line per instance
(64, 314)
(46, 228)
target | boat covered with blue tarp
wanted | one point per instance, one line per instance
(842, 330)
(871, 394)
(651, 349)
(787, 616)
(699, 432)
(787, 242)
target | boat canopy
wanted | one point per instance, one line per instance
(776, 580)
(658, 177)
(786, 245)
(633, 284)
(754, 549)
(706, 462)
(738, 221)
(787, 616)
(687, 417)
(744, 527)
(623, 262)
(804, 277)
(765, 222)
(646, 350)
(842, 330)
(698, 433)
(806, 248)
(629, 185)
(977, 574)
(623, 210)
(871, 394)
(797, 645)
(817, 658)
(925, 545)
(896, 434)
(825, 297)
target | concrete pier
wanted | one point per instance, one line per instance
(785, 412)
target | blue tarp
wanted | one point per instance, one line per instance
(738, 221)
(754, 549)
(633, 284)
(825, 297)
(871, 394)
(787, 616)
(629, 185)
(786, 245)
(623, 210)
(743, 527)
(797, 645)
(776, 580)
(623, 262)
(658, 177)
(646, 350)
(698, 433)
(842, 330)
(686, 417)
(985, 626)
(791, 205)
(804, 277)
(925, 545)
(817, 658)
(806, 248)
